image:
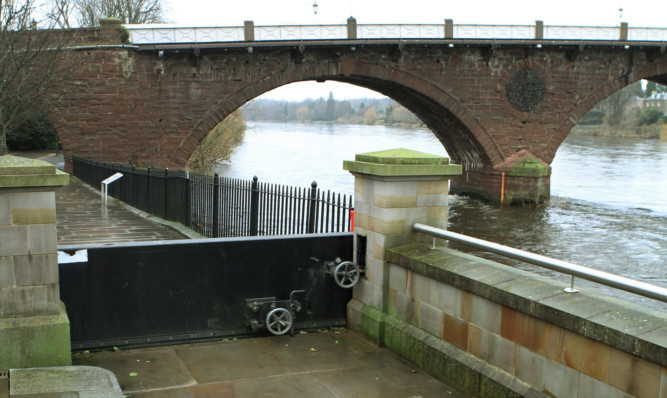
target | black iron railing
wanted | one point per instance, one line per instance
(222, 207)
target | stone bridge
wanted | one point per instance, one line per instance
(500, 106)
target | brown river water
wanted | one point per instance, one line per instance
(608, 208)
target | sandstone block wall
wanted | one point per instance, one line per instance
(34, 329)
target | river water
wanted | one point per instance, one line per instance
(608, 207)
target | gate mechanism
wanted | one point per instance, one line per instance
(276, 316)
(345, 273)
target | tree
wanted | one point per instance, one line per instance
(303, 114)
(650, 116)
(615, 105)
(401, 115)
(89, 12)
(219, 144)
(67, 14)
(330, 111)
(370, 116)
(32, 66)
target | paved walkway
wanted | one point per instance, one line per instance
(82, 218)
(332, 364)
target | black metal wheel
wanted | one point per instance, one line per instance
(279, 321)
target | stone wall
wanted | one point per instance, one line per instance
(34, 328)
(494, 331)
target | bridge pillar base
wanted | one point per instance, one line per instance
(521, 180)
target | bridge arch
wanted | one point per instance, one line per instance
(464, 138)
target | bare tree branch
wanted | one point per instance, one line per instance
(32, 67)
(128, 11)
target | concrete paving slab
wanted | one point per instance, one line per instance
(311, 352)
(141, 370)
(292, 385)
(276, 366)
(173, 393)
(245, 358)
(63, 382)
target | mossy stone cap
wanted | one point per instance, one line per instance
(401, 156)
(401, 162)
(16, 171)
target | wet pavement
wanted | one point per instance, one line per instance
(335, 363)
(82, 218)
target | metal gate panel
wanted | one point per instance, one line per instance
(154, 292)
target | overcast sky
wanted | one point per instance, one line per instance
(637, 13)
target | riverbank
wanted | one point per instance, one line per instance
(652, 132)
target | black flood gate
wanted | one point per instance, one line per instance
(152, 293)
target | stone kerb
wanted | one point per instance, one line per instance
(34, 328)
(393, 190)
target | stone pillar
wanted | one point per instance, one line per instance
(112, 31)
(393, 189)
(351, 28)
(624, 32)
(539, 30)
(34, 328)
(248, 30)
(449, 28)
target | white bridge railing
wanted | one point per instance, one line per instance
(168, 34)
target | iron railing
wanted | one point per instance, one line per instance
(601, 277)
(222, 207)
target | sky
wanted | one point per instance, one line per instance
(637, 13)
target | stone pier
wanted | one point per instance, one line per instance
(34, 328)
(394, 189)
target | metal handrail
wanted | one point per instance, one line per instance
(604, 278)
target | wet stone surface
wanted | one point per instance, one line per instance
(82, 218)
(335, 363)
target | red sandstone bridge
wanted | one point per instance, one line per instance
(501, 99)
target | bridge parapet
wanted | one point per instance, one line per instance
(164, 34)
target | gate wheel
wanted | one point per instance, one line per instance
(346, 274)
(279, 321)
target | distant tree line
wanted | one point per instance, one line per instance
(383, 111)
(620, 111)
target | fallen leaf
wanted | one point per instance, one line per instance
(313, 350)
(133, 374)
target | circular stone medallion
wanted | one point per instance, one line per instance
(525, 90)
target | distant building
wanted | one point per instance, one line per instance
(655, 101)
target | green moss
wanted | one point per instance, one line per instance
(402, 169)
(401, 156)
(372, 324)
(45, 341)
(447, 363)
(35, 341)
(528, 167)
(124, 35)
(9, 348)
